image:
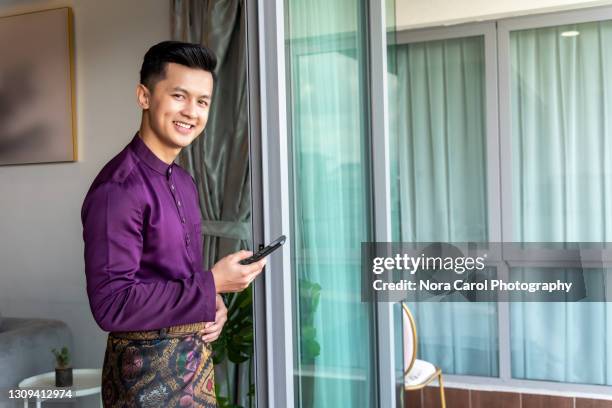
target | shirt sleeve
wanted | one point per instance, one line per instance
(112, 232)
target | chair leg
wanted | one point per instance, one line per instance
(441, 383)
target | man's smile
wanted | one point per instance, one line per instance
(183, 127)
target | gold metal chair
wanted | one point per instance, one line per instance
(417, 373)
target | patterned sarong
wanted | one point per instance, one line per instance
(161, 368)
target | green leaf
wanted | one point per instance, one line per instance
(308, 332)
(315, 349)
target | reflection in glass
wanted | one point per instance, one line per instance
(438, 184)
(563, 341)
(561, 89)
(561, 93)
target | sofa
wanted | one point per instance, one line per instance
(25, 350)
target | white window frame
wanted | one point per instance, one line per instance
(499, 187)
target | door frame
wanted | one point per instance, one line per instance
(270, 170)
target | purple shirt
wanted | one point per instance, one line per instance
(143, 245)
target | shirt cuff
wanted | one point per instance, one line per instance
(207, 283)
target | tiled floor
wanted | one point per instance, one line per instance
(458, 398)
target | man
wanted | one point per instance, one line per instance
(143, 246)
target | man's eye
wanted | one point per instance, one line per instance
(203, 103)
(178, 97)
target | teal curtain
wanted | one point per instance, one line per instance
(438, 185)
(438, 122)
(561, 93)
(566, 342)
(561, 107)
(326, 57)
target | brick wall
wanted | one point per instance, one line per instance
(460, 398)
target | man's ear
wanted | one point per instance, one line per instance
(143, 96)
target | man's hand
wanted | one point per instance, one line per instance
(212, 331)
(230, 276)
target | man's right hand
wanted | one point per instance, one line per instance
(230, 276)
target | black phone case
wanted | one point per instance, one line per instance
(273, 246)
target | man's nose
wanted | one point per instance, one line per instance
(189, 109)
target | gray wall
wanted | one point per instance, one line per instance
(41, 248)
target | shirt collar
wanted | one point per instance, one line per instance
(146, 155)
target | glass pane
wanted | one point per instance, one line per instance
(561, 93)
(437, 126)
(558, 341)
(460, 338)
(326, 57)
(438, 184)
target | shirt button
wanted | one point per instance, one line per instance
(172, 187)
(183, 220)
(187, 239)
(178, 203)
(170, 170)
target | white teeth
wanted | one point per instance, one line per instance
(183, 125)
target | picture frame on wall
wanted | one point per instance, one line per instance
(37, 99)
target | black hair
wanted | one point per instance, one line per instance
(190, 55)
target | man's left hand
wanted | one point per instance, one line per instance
(212, 331)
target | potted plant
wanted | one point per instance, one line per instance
(63, 371)
(234, 348)
(235, 345)
(309, 296)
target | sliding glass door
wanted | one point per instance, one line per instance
(329, 193)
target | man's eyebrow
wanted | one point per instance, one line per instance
(179, 89)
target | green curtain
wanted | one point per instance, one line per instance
(438, 185)
(219, 162)
(219, 158)
(561, 102)
(561, 93)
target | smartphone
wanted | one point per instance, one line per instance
(262, 253)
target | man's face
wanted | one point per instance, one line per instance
(178, 105)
